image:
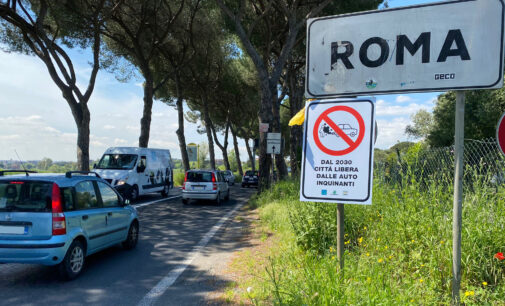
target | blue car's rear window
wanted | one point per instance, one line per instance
(28, 196)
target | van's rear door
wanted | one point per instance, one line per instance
(25, 209)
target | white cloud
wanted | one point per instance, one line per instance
(33, 138)
(388, 109)
(109, 127)
(390, 132)
(402, 99)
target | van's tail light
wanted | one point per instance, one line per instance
(214, 184)
(185, 179)
(59, 222)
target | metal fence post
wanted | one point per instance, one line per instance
(458, 195)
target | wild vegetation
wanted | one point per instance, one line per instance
(397, 251)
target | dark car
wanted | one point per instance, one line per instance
(250, 178)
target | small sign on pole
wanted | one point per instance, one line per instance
(338, 147)
(264, 127)
(274, 143)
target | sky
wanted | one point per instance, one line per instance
(36, 121)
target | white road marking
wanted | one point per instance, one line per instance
(162, 286)
(152, 202)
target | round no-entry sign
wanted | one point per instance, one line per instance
(344, 131)
(500, 134)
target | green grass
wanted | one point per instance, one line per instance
(398, 250)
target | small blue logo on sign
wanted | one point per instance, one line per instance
(324, 192)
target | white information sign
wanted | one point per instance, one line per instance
(434, 47)
(338, 147)
(274, 143)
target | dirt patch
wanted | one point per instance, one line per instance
(247, 263)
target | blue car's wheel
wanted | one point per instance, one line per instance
(72, 264)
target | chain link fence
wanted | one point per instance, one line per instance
(483, 162)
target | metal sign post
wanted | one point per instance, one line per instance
(458, 195)
(340, 235)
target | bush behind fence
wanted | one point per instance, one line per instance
(483, 162)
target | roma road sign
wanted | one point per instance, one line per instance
(432, 47)
(500, 134)
(338, 146)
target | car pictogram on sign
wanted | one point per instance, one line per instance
(326, 130)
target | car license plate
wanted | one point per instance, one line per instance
(198, 187)
(13, 230)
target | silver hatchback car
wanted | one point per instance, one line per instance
(205, 185)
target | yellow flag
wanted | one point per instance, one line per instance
(298, 119)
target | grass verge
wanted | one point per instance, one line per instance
(398, 250)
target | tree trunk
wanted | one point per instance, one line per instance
(180, 134)
(83, 138)
(208, 128)
(180, 129)
(145, 122)
(224, 147)
(280, 163)
(296, 87)
(265, 116)
(250, 153)
(82, 117)
(237, 152)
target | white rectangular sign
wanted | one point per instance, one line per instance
(338, 147)
(272, 136)
(434, 47)
(274, 146)
(192, 153)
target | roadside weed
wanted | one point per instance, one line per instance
(398, 251)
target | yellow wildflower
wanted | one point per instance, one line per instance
(413, 241)
(380, 260)
(332, 257)
(421, 280)
(442, 242)
(364, 228)
(347, 242)
(360, 240)
(484, 284)
(368, 279)
(469, 293)
(367, 254)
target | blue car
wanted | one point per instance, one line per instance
(59, 219)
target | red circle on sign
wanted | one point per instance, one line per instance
(500, 134)
(352, 144)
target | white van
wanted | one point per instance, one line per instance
(137, 171)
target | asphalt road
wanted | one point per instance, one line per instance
(177, 248)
